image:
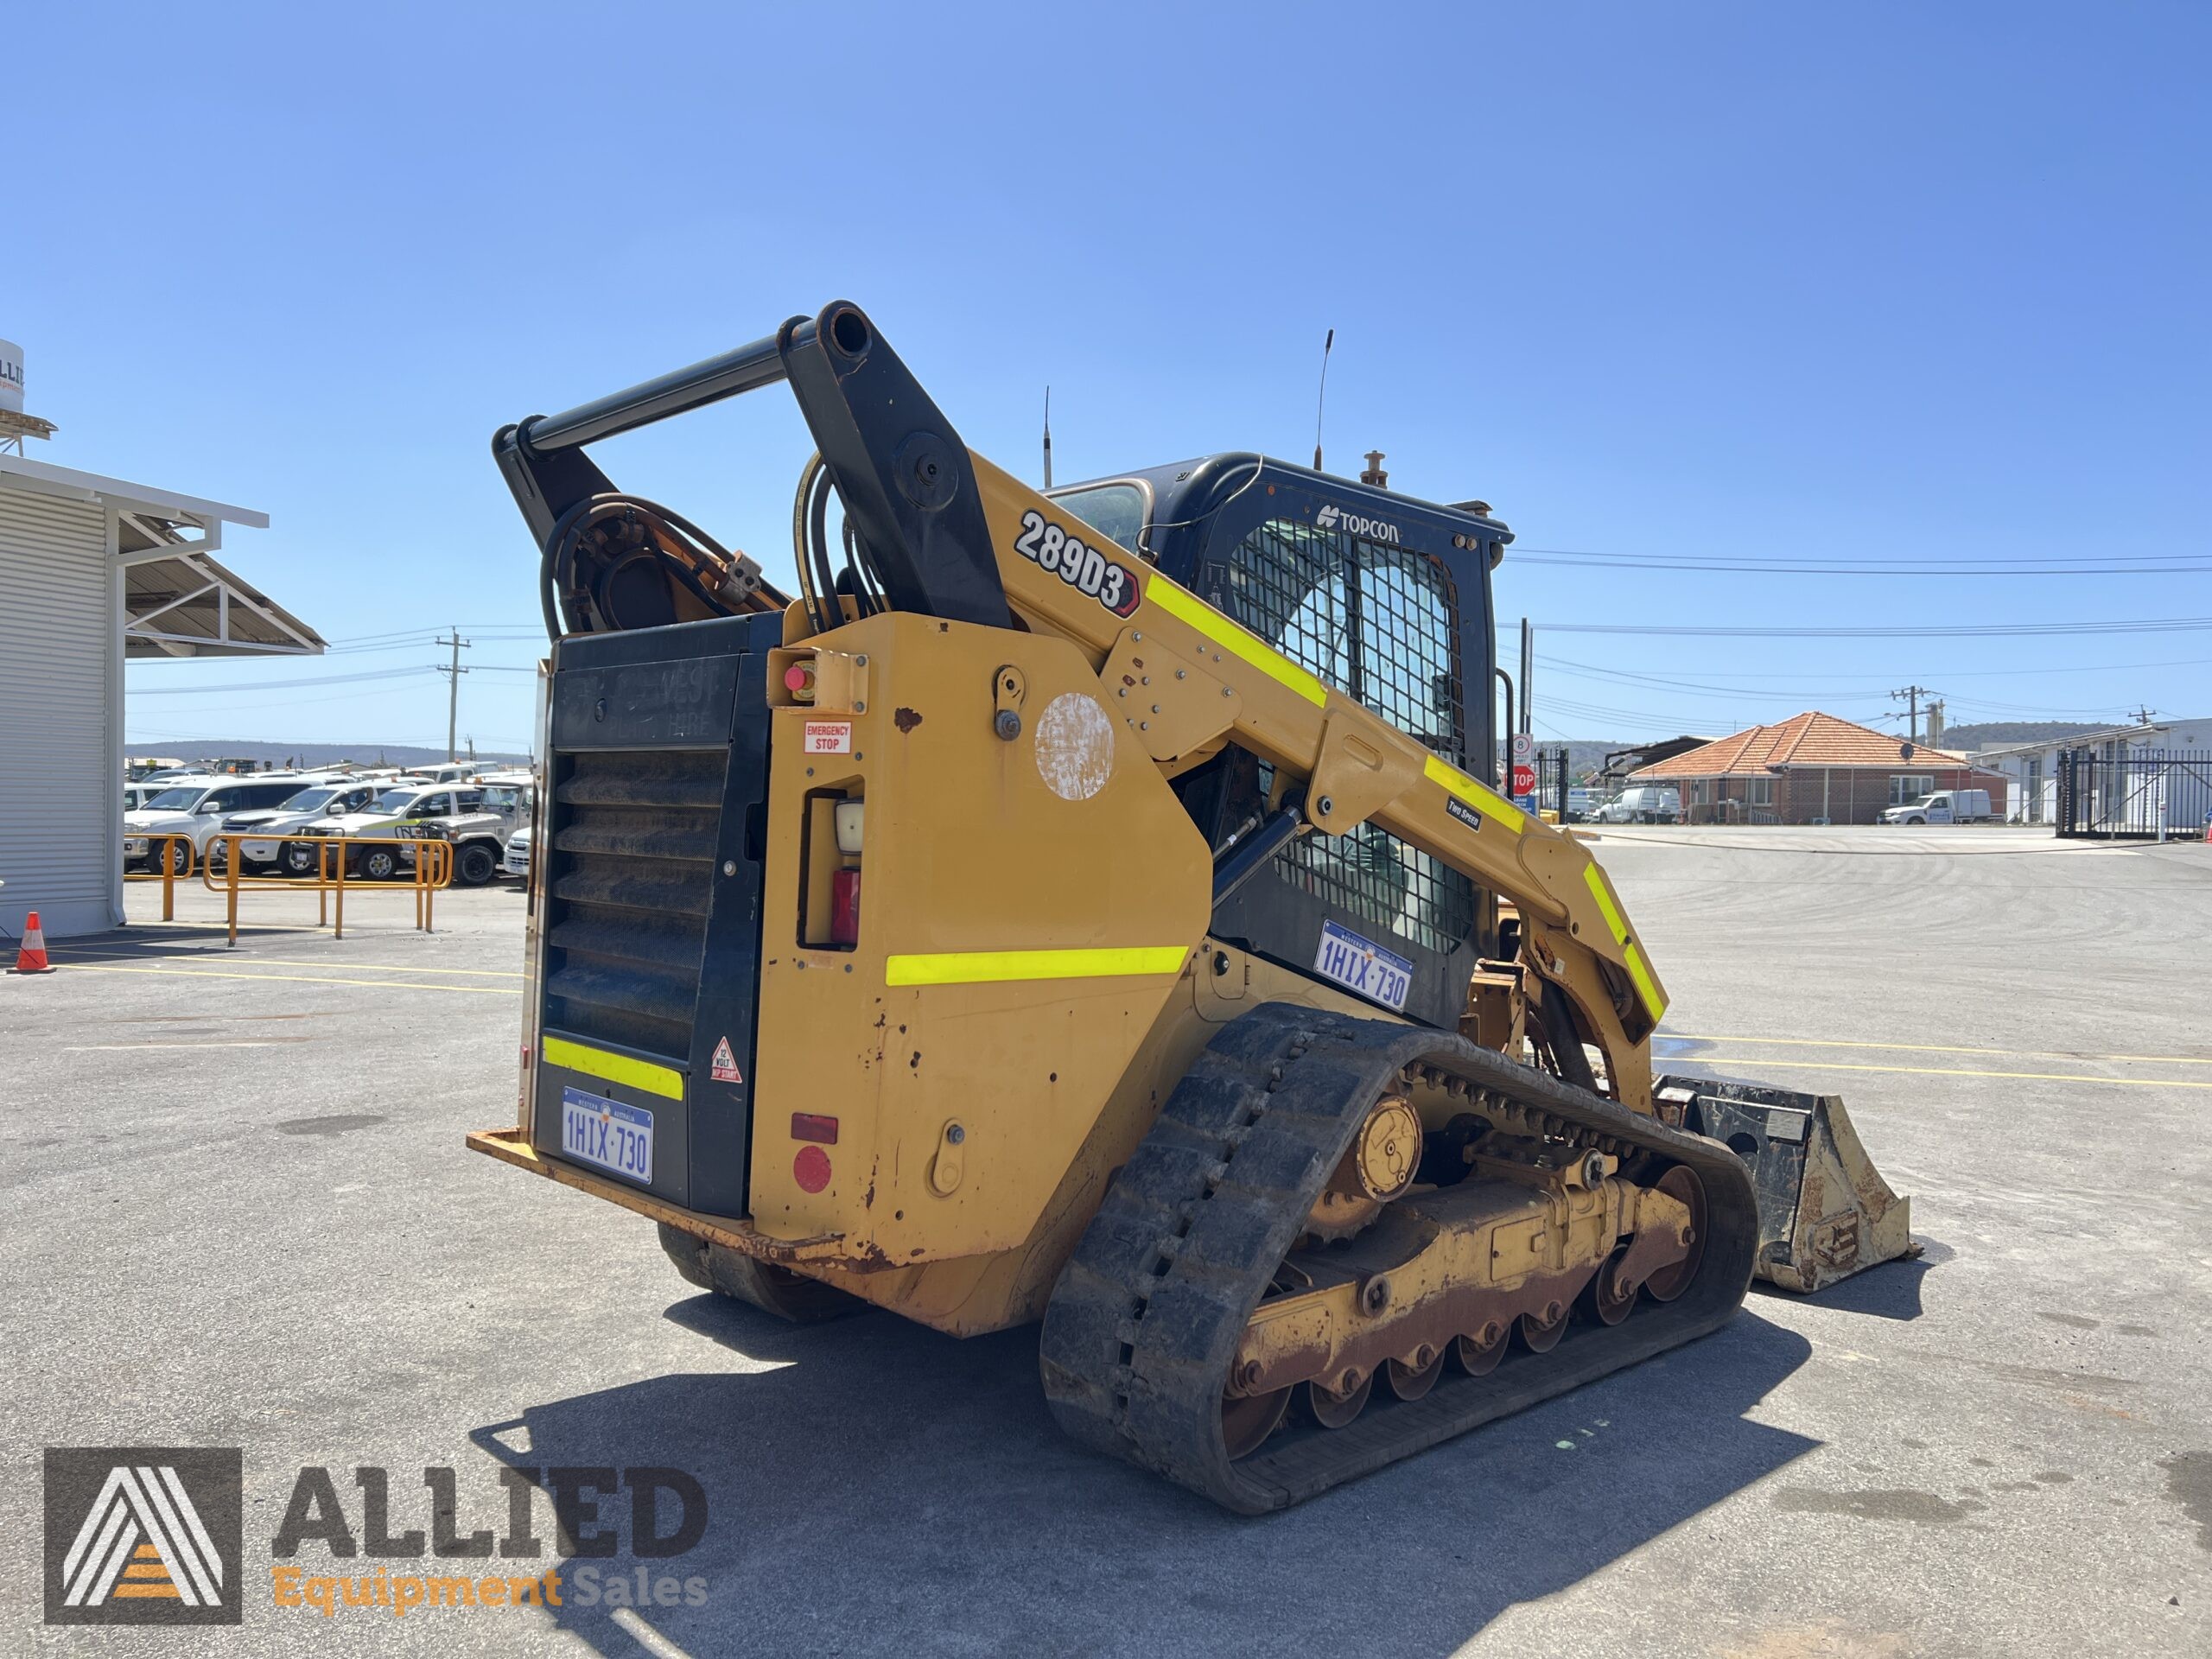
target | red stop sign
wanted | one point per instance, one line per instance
(1524, 780)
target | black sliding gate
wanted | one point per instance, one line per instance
(2145, 794)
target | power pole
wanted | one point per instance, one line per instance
(2143, 715)
(453, 692)
(1911, 695)
(1528, 673)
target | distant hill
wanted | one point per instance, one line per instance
(1997, 733)
(308, 754)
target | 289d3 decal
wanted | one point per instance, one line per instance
(1077, 563)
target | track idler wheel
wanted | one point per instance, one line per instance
(1479, 1354)
(1247, 1420)
(1336, 1409)
(1541, 1331)
(1681, 1184)
(1409, 1382)
(1609, 1300)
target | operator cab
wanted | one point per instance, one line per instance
(1384, 598)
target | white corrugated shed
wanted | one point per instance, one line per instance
(59, 669)
(92, 569)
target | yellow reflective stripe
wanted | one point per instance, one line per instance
(1595, 878)
(1646, 986)
(1188, 607)
(1489, 802)
(983, 967)
(615, 1068)
(1638, 970)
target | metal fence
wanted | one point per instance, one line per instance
(1551, 783)
(2144, 794)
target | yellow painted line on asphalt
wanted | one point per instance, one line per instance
(298, 979)
(195, 953)
(1935, 1070)
(1936, 1048)
(116, 1048)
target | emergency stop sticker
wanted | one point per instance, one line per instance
(828, 737)
(724, 1064)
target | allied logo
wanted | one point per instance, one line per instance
(1332, 516)
(144, 1534)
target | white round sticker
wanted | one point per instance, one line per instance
(1075, 747)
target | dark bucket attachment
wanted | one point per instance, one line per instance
(1825, 1212)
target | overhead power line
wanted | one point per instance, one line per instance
(2074, 564)
(1972, 631)
(279, 685)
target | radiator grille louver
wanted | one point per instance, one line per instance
(633, 845)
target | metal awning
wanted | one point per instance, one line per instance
(177, 601)
(182, 603)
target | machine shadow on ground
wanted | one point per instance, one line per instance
(874, 1466)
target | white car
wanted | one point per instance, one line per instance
(136, 795)
(195, 809)
(1644, 803)
(517, 859)
(329, 799)
(1942, 806)
(397, 804)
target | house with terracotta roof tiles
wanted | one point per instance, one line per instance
(1814, 768)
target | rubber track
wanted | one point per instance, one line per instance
(1146, 1317)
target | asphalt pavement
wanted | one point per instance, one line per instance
(239, 1213)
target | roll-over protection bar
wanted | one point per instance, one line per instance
(900, 470)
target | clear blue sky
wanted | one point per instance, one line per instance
(1661, 282)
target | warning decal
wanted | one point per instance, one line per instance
(725, 1064)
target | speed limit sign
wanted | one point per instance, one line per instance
(1524, 748)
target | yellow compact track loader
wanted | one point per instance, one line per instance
(1094, 907)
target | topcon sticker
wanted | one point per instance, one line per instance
(828, 737)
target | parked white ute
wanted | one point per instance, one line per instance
(399, 804)
(1944, 806)
(331, 799)
(478, 832)
(195, 809)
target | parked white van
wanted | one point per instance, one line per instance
(1643, 803)
(1944, 806)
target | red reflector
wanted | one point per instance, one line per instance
(811, 1169)
(812, 1126)
(845, 907)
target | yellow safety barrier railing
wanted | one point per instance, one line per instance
(432, 870)
(167, 875)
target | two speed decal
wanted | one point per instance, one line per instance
(1077, 563)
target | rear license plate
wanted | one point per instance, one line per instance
(608, 1133)
(1360, 964)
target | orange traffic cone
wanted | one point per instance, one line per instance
(31, 959)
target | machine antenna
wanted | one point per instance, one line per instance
(1048, 437)
(1321, 401)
